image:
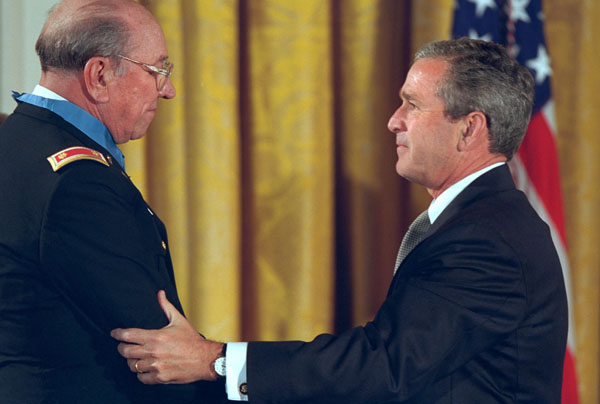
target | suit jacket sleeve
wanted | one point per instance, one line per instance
(456, 294)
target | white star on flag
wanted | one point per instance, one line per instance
(518, 11)
(485, 37)
(541, 65)
(482, 5)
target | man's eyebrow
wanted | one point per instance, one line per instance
(407, 96)
(161, 59)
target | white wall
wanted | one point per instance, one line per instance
(20, 24)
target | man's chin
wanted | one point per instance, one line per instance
(401, 170)
(405, 173)
(126, 138)
(138, 136)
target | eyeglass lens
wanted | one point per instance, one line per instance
(161, 79)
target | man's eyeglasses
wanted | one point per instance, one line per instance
(162, 75)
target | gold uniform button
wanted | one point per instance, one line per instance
(164, 245)
(244, 389)
(109, 160)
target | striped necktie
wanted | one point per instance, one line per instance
(413, 236)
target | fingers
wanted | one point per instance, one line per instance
(132, 351)
(148, 378)
(134, 365)
(131, 335)
(139, 336)
(173, 315)
(172, 354)
(182, 361)
(144, 370)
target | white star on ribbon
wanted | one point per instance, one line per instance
(541, 65)
(485, 37)
(518, 12)
(482, 5)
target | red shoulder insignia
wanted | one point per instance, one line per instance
(66, 156)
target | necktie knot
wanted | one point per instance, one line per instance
(416, 232)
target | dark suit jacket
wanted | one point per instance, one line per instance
(81, 253)
(476, 313)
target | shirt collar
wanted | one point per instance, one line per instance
(441, 202)
(76, 116)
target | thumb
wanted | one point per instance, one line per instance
(170, 311)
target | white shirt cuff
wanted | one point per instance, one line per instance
(235, 379)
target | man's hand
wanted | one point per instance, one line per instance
(174, 354)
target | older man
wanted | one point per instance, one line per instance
(476, 312)
(80, 250)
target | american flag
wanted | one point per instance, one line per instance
(519, 26)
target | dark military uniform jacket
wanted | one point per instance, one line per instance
(81, 253)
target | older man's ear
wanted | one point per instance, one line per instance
(97, 75)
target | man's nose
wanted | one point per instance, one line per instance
(168, 90)
(396, 122)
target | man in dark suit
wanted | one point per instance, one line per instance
(80, 250)
(476, 311)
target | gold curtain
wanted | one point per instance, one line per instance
(572, 34)
(274, 171)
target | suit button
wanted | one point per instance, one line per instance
(164, 245)
(244, 389)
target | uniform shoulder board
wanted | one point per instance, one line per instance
(71, 154)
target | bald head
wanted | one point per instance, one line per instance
(99, 54)
(77, 30)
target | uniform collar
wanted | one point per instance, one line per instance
(76, 116)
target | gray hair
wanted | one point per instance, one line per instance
(482, 77)
(71, 37)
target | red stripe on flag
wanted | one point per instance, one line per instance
(539, 156)
(569, 385)
(535, 167)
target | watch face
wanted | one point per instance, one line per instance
(220, 367)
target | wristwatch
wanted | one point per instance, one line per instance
(219, 365)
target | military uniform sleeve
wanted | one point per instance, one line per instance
(104, 249)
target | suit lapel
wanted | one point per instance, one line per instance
(494, 181)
